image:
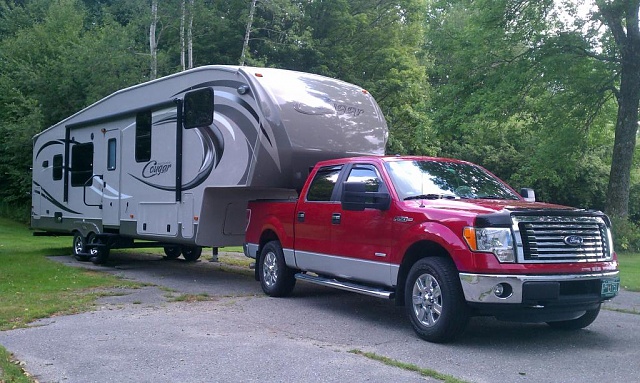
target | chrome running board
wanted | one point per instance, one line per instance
(348, 286)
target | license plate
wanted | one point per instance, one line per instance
(610, 287)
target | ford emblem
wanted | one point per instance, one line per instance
(574, 240)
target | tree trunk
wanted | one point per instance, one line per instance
(623, 23)
(183, 63)
(247, 34)
(190, 34)
(153, 44)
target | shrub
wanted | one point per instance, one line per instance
(626, 235)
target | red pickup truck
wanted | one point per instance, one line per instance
(445, 238)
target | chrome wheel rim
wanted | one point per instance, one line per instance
(427, 300)
(270, 269)
(77, 246)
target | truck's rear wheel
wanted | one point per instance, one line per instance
(80, 247)
(578, 323)
(191, 253)
(276, 278)
(434, 300)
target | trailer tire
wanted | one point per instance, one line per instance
(434, 300)
(99, 255)
(276, 278)
(172, 252)
(80, 247)
(578, 323)
(191, 253)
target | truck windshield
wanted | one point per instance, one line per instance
(424, 179)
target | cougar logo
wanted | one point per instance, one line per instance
(154, 168)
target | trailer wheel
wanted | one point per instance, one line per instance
(172, 252)
(191, 253)
(276, 278)
(100, 254)
(80, 247)
(435, 302)
(578, 323)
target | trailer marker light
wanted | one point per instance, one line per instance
(258, 75)
(195, 218)
(131, 216)
(365, 91)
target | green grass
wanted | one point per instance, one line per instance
(33, 287)
(426, 372)
(10, 371)
(630, 271)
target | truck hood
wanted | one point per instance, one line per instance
(481, 206)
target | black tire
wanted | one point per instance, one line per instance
(99, 255)
(172, 252)
(80, 247)
(434, 300)
(276, 278)
(578, 323)
(191, 253)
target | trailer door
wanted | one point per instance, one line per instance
(111, 179)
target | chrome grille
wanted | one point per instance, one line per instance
(562, 239)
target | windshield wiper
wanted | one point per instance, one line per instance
(431, 196)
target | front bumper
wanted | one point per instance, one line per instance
(539, 290)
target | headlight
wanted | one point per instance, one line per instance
(496, 240)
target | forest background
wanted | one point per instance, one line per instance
(542, 93)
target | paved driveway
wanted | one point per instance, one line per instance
(240, 335)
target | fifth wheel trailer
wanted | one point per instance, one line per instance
(173, 162)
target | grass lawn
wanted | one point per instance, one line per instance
(630, 271)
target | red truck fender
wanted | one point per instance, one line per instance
(428, 239)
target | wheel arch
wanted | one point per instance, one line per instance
(415, 252)
(267, 236)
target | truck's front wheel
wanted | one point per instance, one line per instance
(434, 300)
(276, 278)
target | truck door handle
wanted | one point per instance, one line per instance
(301, 216)
(336, 218)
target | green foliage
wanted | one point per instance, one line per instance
(520, 100)
(626, 235)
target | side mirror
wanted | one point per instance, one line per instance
(356, 198)
(528, 194)
(198, 108)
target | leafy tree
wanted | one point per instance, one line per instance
(513, 92)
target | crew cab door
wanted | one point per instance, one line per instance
(336, 242)
(364, 239)
(313, 220)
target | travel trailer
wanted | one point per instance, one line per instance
(173, 162)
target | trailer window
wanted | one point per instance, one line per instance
(323, 183)
(143, 137)
(57, 167)
(81, 164)
(111, 154)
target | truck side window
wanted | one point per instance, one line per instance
(143, 136)
(368, 175)
(323, 184)
(57, 167)
(81, 164)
